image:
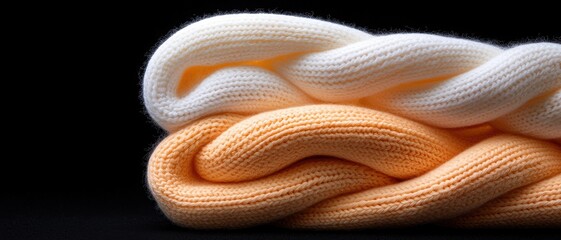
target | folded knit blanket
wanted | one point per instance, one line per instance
(309, 124)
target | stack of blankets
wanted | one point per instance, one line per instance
(303, 123)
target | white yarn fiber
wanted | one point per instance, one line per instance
(441, 81)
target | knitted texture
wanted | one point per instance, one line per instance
(311, 124)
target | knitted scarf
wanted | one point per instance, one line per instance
(310, 124)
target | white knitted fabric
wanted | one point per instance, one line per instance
(441, 81)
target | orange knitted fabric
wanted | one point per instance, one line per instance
(308, 124)
(227, 171)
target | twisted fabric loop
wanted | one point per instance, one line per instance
(242, 173)
(441, 81)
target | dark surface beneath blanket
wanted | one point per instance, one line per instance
(133, 219)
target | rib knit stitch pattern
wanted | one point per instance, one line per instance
(305, 123)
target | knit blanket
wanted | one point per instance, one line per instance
(305, 123)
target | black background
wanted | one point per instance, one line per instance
(76, 162)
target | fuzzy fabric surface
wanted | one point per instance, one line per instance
(305, 123)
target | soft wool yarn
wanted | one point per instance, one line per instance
(311, 124)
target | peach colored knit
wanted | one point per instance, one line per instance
(226, 171)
